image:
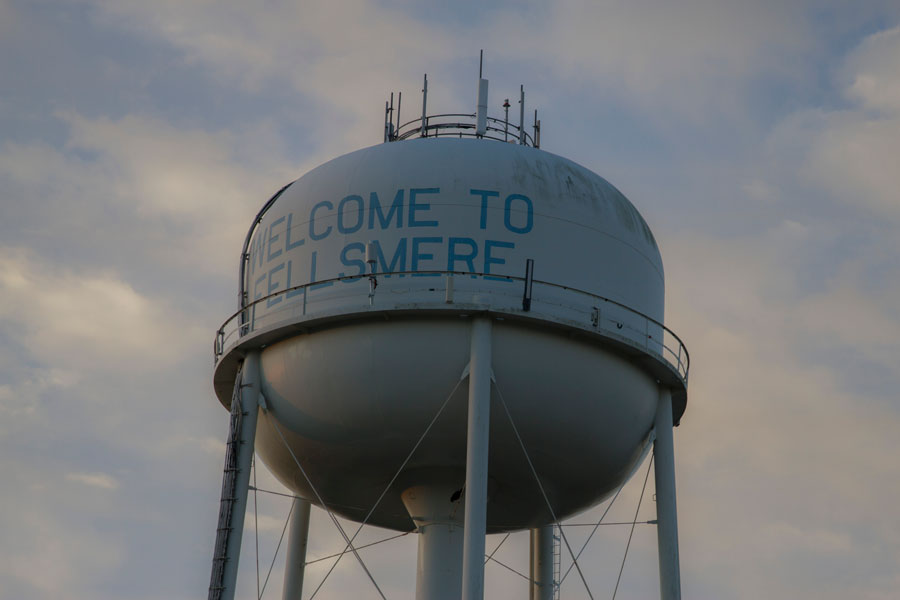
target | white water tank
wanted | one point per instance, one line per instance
(354, 369)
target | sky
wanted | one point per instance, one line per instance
(758, 139)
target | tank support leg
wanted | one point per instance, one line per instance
(236, 482)
(666, 514)
(542, 563)
(296, 550)
(477, 460)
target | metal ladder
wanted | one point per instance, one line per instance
(226, 504)
(557, 561)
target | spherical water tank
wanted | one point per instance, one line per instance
(363, 278)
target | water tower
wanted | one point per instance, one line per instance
(453, 332)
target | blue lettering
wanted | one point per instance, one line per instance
(288, 246)
(385, 221)
(417, 255)
(453, 256)
(485, 194)
(342, 227)
(398, 263)
(273, 286)
(273, 237)
(290, 284)
(491, 260)
(256, 293)
(256, 296)
(312, 221)
(414, 208)
(312, 272)
(259, 245)
(359, 264)
(529, 213)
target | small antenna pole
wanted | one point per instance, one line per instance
(521, 114)
(391, 119)
(399, 99)
(424, 127)
(481, 102)
(387, 126)
(537, 131)
(506, 106)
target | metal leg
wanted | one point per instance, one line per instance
(477, 460)
(295, 562)
(542, 563)
(234, 499)
(666, 514)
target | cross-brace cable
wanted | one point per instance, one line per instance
(509, 568)
(491, 555)
(596, 526)
(328, 510)
(543, 491)
(634, 522)
(390, 483)
(278, 547)
(369, 545)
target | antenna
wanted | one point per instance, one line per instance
(391, 130)
(424, 127)
(461, 124)
(522, 115)
(399, 99)
(506, 106)
(482, 101)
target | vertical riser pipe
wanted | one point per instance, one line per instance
(541, 586)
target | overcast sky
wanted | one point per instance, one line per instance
(760, 140)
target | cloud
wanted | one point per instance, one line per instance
(74, 320)
(874, 72)
(54, 558)
(97, 480)
(699, 55)
(342, 59)
(699, 60)
(848, 152)
(152, 192)
(121, 229)
(780, 447)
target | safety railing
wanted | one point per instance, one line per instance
(546, 300)
(462, 125)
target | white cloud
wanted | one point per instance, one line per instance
(699, 55)
(874, 72)
(786, 454)
(850, 153)
(344, 57)
(266, 523)
(88, 319)
(145, 188)
(22, 390)
(780, 454)
(55, 559)
(102, 481)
